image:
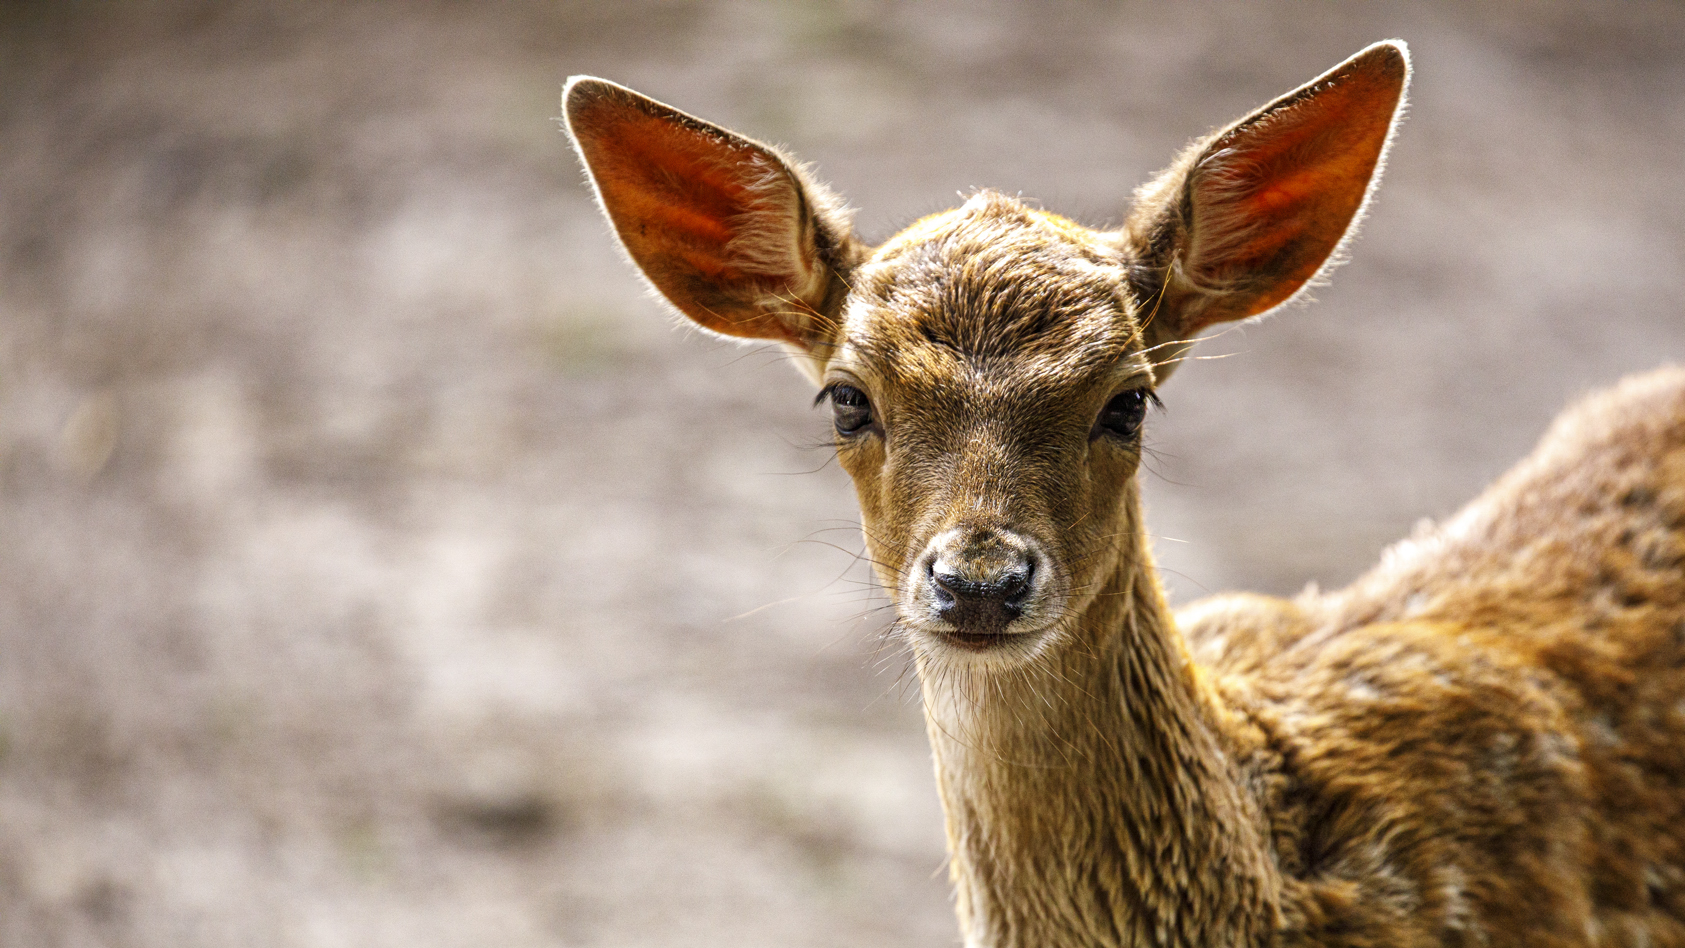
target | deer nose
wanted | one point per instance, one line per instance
(980, 597)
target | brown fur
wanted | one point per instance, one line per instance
(1481, 742)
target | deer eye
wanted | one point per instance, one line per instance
(851, 410)
(1121, 418)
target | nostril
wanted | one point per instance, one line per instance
(1017, 580)
(942, 581)
(1015, 587)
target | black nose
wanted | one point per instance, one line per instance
(980, 603)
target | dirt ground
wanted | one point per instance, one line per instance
(379, 567)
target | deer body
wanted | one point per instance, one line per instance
(1480, 742)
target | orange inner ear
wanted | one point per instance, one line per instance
(1284, 187)
(679, 193)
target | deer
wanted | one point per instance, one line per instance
(1480, 741)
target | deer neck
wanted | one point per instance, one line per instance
(1094, 799)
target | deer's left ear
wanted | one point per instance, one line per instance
(735, 236)
(1248, 217)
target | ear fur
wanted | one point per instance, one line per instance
(736, 236)
(1251, 216)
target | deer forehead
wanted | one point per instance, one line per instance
(991, 303)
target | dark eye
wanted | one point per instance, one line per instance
(851, 410)
(1121, 418)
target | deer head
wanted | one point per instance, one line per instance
(990, 368)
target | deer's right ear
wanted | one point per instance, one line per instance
(736, 237)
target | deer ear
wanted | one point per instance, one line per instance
(1248, 217)
(730, 232)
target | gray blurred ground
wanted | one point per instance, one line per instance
(378, 567)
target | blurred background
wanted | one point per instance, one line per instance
(380, 567)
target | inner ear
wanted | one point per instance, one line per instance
(733, 234)
(1247, 218)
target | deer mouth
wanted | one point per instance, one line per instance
(976, 641)
(1012, 641)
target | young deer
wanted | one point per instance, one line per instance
(1482, 741)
